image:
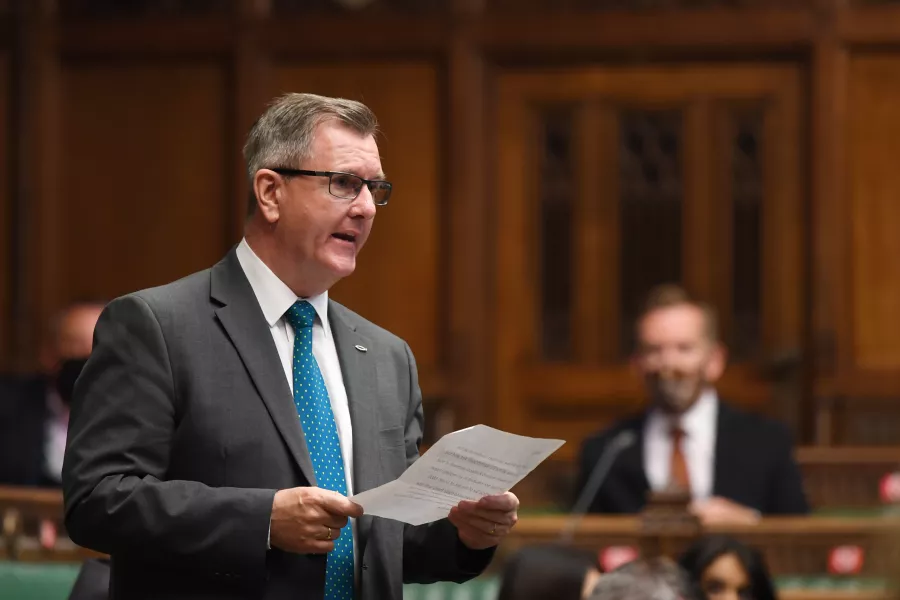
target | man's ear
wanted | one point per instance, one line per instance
(717, 361)
(268, 188)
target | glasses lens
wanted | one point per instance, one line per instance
(381, 191)
(344, 185)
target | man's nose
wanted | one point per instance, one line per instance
(364, 204)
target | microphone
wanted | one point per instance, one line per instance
(598, 475)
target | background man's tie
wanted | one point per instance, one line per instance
(317, 419)
(678, 475)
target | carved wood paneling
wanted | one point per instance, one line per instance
(874, 213)
(139, 9)
(361, 7)
(642, 5)
(666, 135)
(143, 173)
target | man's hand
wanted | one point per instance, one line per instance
(721, 511)
(484, 523)
(307, 520)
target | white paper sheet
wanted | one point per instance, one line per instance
(464, 465)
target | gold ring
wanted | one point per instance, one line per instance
(494, 529)
(329, 533)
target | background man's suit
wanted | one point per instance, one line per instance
(754, 466)
(183, 426)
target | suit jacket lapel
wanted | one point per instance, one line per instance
(248, 330)
(633, 459)
(724, 449)
(356, 356)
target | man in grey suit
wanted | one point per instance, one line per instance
(222, 420)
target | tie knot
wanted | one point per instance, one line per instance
(677, 432)
(300, 314)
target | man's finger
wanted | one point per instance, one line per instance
(502, 502)
(507, 519)
(340, 505)
(319, 547)
(334, 521)
(485, 526)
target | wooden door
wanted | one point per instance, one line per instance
(612, 180)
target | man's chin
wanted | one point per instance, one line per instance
(674, 406)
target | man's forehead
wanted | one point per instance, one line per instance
(683, 319)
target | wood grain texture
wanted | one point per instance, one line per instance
(144, 175)
(874, 189)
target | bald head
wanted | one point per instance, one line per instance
(71, 334)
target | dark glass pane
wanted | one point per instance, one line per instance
(557, 190)
(652, 192)
(747, 195)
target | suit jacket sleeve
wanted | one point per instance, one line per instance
(433, 552)
(118, 500)
(787, 496)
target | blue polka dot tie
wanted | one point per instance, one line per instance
(314, 409)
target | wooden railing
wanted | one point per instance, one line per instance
(26, 515)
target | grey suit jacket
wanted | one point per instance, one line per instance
(183, 427)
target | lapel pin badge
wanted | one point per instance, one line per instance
(361, 348)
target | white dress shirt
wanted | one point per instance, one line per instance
(275, 298)
(55, 431)
(698, 445)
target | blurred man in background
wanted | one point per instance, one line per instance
(34, 411)
(736, 466)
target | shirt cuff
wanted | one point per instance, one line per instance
(269, 537)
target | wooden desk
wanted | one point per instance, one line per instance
(846, 477)
(21, 511)
(792, 546)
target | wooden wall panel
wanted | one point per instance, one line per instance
(874, 192)
(144, 175)
(397, 283)
(5, 216)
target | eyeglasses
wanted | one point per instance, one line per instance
(347, 186)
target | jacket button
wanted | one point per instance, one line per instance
(365, 567)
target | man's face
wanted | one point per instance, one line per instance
(322, 233)
(676, 358)
(76, 332)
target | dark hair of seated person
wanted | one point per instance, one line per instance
(547, 571)
(716, 580)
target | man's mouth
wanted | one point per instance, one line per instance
(346, 237)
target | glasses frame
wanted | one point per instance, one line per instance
(330, 175)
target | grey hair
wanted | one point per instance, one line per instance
(283, 135)
(653, 579)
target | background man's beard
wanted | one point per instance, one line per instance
(677, 395)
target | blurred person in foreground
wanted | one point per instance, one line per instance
(645, 579)
(223, 420)
(35, 409)
(736, 466)
(558, 572)
(723, 568)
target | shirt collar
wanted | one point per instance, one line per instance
(273, 295)
(698, 418)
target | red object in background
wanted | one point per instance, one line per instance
(846, 560)
(890, 488)
(613, 557)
